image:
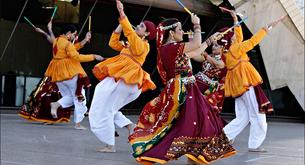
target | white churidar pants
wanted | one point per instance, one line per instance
(246, 110)
(109, 97)
(67, 89)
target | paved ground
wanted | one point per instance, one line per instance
(24, 143)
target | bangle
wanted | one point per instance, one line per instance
(209, 42)
(197, 26)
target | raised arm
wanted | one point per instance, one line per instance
(237, 30)
(86, 39)
(196, 42)
(45, 34)
(51, 37)
(199, 51)
(114, 41)
(257, 37)
(81, 44)
(137, 45)
(249, 44)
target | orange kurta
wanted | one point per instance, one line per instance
(66, 60)
(128, 64)
(241, 74)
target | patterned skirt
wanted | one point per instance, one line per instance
(38, 108)
(214, 92)
(179, 122)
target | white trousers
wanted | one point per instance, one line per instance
(246, 110)
(109, 97)
(67, 90)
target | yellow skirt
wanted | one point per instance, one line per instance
(64, 69)
(122, 67)
(240, 79)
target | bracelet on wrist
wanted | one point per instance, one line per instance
(267, 28)
(197, 26)
(209, 41)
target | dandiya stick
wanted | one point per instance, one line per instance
(55, 9)
(227, 10)
(184, 7)
(27, 20)
(192, 33)
(237, 24)
(89, 27)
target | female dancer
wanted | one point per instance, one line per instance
(180, 120)
(210, 79)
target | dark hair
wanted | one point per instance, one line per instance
(68, 28)
(226, 41)
(168, 22)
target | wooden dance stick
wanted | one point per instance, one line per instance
(184, 7)
(81, 30)
(89, 27)
(187, 33)
(225, 32)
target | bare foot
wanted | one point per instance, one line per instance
(106, 149)
(79, 127)
(54, 107)
(130, 128)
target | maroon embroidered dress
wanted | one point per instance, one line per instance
(39, 104)
(210, 81)
(180, 120)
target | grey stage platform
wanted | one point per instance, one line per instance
(25, 143)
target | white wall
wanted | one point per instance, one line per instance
(282, 49)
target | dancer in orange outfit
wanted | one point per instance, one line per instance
(242, 82)
(122, 79)
(64, 69)
(82, 81)
(46, 91)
